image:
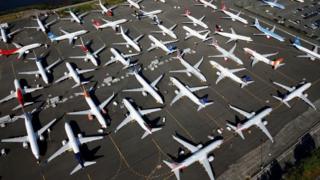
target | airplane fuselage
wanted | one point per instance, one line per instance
(42, 71)
(192, 70)
(130, 42)
(194, 33)
(119, 57)
(167, 31)
(269, 33)
(258, 56)
(226, 72)
(234, 36)
(149, 88)
(133, 4)
(159, 44)
(197, 22)
(228, 55)
(32, 137)
(73, 35)
(95, 111)
(235, 17)
(73, 73)
(75, 17)
(313, 54)
(255, 119)
(297, 92)
(207, 4)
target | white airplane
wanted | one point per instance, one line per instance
(253, 119)
(113, 24)
(166, 31)
(6, 120)
(273, 4)
(295, 91)
(193, 33)
(151, 14)
(104, 9)
(188, 91)
(74, 144)
(18, 93)
(233, 36)
(92, 56)
(41, 26)
(136, 115)
(161, 44)
(267, 32)
(42, 71)
(195, 21)
(32, 136)
(74, 74)
(133, 3)
(129, 42)
(66, 35)
(232, 16)
(225, 72)
(6, 37)
(74, 17)
(256, 57)
(122, 58)
(190, 70)
(199, 153)
(205, 4)
(94, 109)
(20, 50)
(147, 88)
(313, 55)
(226, 54)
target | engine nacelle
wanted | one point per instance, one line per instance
(12, 91)
(218, 73)
(176, 91)
(181, 152)
(210, 158)
(27, 51)
(64, 142)
(37, 75)
(2, 125)
(76, 37)
(25, 145)
(49, 71)
(265, 123)
(65, 73)
(79, 135)
(199, 146)
(41, 138)
(189, 74)
(144, 93)
(86, 60)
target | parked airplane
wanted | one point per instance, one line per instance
(295, 91)
(6, 120)
(166, 31)
(66, 35)
(130, 42)
(18, 93)
(226, 54)
(42, 71)
(199, 153)
(273, 4)
(136, 115)
(133, 3)
(122, 58)
(188, 91)
(42, 26)
(151, 14)
(32, 136)
(232, 36)
(74, 144)
(256, 57)
(161, 44)
(195, 21)
(74, 74)
(205, 4)
(232, 16)
(190, 70)
(193, 33)
(6, 37)
(147, 88)
(266, 32)
(94, 109)
(20, 50)
(253, 119)
(92, 56)
(105, 10)
(225, 72)
(313, 55)
(113, 24)
(74, 17)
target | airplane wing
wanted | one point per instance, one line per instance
(16, 139)
(120, 43)
(134, 90)
(64, 32)
(138, 38)
(85, 71)
(85, 112)
(268, 55)
(236, 70)
(155, 82)
(107, 101)
(99, 50)
(265, 130)
(196, 66)
(244, 113)
(83, 14)
(168, 42)
(193, 89)
(50, 23)
(110, 61)
(14, 32)
(176, 98)
(230, 40)
(84, 140)
(148, 111)
(70, 40)
(10, 96)
(64, 148)
(172, 27)
(29, 90)
(180, 71)
(53, 64)
(62, 78)
(305, 99)
(206, 164)
(29, 72)
(284, 87)
(44, 128)
(232, 49)
(221, 76)
(16, 45)
(123, 123)
(152, 47)
(187, 145)
(129, 55)
(77, 57)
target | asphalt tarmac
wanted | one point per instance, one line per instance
(123, 155)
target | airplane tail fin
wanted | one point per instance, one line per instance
(236, 130)
(223, 6)
(204, 103)
(218, 28)
(247, 80)
(281, 100)
(297, 41)
(79, 166)
(187, 12)
(172, 166)
(277, 63)
(152, 131)
(95, 23)
(51, 36)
